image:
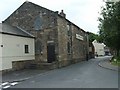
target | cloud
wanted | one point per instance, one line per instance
(8, 6)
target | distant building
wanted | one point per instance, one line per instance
(57, 40)
(16, 48)
(99, 48)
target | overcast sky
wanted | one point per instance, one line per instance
(83, 13)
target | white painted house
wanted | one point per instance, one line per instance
(16, 45)
(99, 48)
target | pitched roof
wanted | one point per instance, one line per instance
(56, 12)
(12, 30)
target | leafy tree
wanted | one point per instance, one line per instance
(110, 25)
(93, 37)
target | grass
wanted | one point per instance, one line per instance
(116, 63)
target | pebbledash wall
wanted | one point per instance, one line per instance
(57, 40)
(12, 51)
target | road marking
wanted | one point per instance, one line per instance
(14, 83)
(6, 85)
(3, 84)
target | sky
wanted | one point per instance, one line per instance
(83, 13)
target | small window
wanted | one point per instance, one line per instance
(68, 27)
(68, 48)
(68, 30)
(26, 49)
(38, 23)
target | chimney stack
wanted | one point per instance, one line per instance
(63, 14)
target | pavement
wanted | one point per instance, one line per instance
(86, 74)
(106, 64)
(21, 75)
(30, 73)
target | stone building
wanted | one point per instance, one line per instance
(58, 40)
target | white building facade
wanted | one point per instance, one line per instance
(99, 48)
(15, 45)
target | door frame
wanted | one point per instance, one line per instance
(51, 57)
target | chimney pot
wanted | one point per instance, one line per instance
(63, 14)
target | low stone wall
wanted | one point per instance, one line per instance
(60, 64)
(54, 65)
(47, 66)
(64, 63)
(18, 65)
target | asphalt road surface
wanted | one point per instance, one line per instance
(86, 74)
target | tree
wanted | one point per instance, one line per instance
(110, 25)
(93, 37)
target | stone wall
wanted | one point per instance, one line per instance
(18, 65)
(62, 39)
(38, 21)
(78, 48)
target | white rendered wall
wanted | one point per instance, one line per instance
(0, 58)
(99, 48)
(13, 50)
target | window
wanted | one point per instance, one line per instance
(38, 23)
(68, 30)
(68, 47)
(68, 27)
(26, 49)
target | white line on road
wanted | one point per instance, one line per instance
(3, 84)
(6, 85)
(14, 83)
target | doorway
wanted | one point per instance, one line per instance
(50, 53)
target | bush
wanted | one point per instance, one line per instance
(115, 58)
(115, 61)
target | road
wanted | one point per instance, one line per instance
(86, 74)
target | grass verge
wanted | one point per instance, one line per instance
(116, 63)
